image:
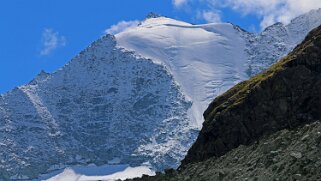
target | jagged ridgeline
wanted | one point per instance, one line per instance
(286, 95)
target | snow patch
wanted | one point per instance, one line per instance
(92, 172)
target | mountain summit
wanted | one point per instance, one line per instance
(152, 15)
(137, 97)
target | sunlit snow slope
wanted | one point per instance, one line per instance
(204, 60)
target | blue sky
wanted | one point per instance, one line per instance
(45, 34)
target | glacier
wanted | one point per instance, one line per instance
(136, 97)
(205, 60)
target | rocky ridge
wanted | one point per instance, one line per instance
(276, 41)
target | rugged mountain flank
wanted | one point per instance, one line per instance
(106, 104)
(266, 128)
(286, 95)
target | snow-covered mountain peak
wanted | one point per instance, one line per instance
(204, 59)
(273, 29)
(152, 15)
(159, 22)
(135, 97)
(165, 22)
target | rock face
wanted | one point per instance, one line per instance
(105, 104)
(286, 95)
(285, 155)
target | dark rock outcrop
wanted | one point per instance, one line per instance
(286, 95)
(285, 155)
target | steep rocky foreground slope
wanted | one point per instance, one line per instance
(285, 155)
(286, 96)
